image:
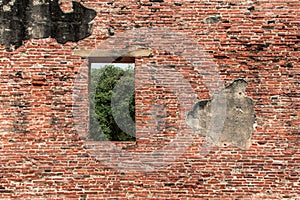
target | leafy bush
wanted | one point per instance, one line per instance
(112, 104)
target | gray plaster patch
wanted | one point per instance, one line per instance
(226, 119)
(212, 19)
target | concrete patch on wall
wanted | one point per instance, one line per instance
(227, 118)
(212, 19)
(21, 20)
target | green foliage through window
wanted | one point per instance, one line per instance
(112, 103)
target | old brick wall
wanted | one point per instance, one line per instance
(42, 156)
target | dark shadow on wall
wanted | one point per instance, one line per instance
(35, 19)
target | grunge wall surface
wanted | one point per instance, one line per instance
(44, 155)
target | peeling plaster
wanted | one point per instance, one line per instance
(227, 119)
(28, 19)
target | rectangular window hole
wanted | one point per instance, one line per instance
(112, 100)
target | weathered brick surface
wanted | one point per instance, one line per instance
(43, 158)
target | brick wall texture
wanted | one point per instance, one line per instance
(43, 157)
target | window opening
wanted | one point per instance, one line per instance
(112, 101)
